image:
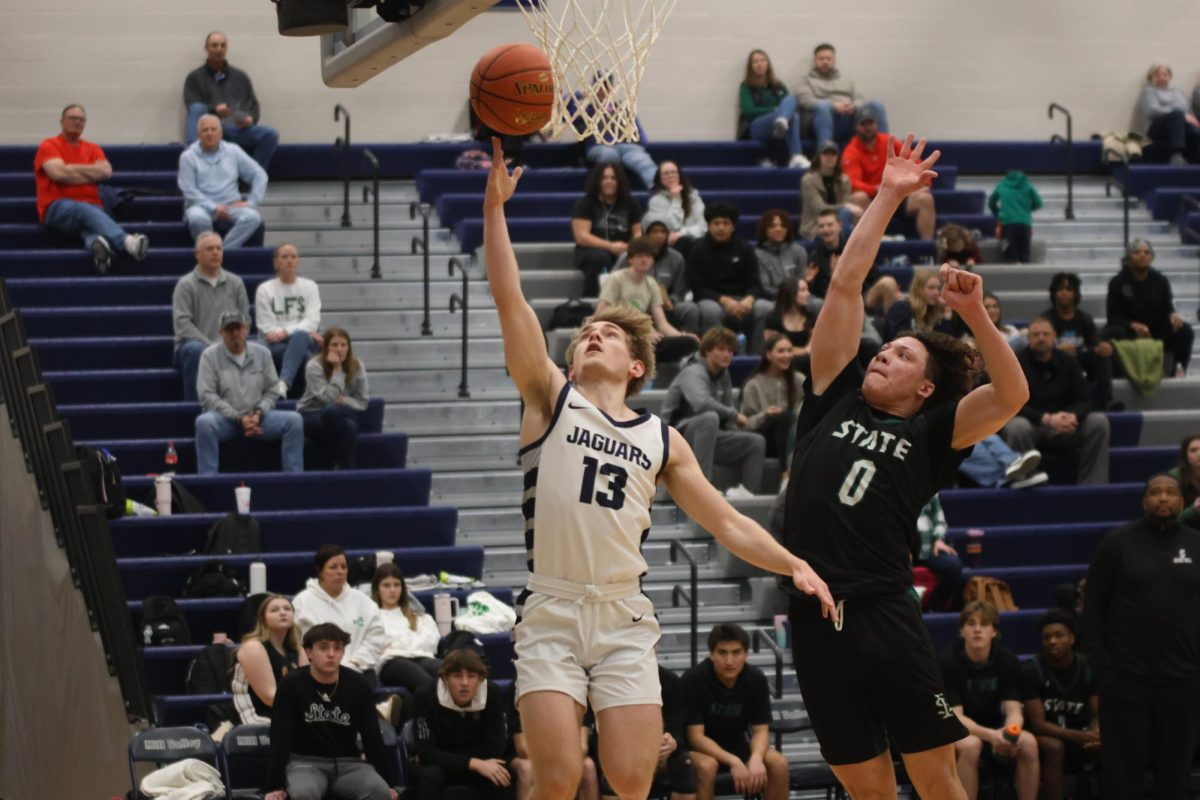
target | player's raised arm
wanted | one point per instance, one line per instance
(525, 352)
(836, 336)
(987, 408)
(743, 537)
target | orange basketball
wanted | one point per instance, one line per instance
(512, 90)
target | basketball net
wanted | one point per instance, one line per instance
(597, 51)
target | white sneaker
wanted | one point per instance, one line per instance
(799, 161)
(739, 492)
(1036, 479)
(779, 129)
(766, 162)
(1023, 465)
(283, 389)
(137, 245)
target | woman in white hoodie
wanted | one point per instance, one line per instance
(412, 635)
(327, 598)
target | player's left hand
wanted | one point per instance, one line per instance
(758, 774)
(961, 289)
(807, 581)
(500, 183)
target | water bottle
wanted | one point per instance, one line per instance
(1011, 734)
(171, 459)
(974, 548)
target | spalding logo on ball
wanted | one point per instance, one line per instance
(512, 90)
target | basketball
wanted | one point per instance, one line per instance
(512, 90)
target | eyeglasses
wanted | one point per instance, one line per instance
(75, 118)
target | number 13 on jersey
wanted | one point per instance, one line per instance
(614, 498)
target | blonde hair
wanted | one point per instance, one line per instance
(638, 329)
(925, 317)
(261, 633)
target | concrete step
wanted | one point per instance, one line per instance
(1055, 232)
(1164, 428)
(332, 191)
(457, 417)
(393, 325)
(396, 264)
(1173, 394)
(417, 385)
(512, 559)
(1111, 253)
(428, 353)
(1027, 303)
(358, 240)
(443, 453)
(288, 213)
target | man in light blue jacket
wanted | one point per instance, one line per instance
(209, 171)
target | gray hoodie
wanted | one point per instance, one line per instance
(815, 87)
(197, 305)
(696, 390)
(232, 389)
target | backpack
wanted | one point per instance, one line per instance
(214, 579)
(162, 623)
(234, 534)
(457, 640)
(100, 470)
(211, 672)
(182, 501)
(571, 314)
(361, 570)
(990, 590)
(248, 615)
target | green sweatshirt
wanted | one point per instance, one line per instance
(758, 100)
(1014, 199)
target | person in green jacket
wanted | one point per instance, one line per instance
(768, 112)
(1013, 201)
(1187, 472)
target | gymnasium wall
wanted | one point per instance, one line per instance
(950, 69)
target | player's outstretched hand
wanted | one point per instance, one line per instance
(906, 172)
(807, 581)
(500, 183)
(961, 289)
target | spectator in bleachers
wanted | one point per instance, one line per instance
(831, 241)
(320, 715)
(522, 768)
(410, 657)
(328, 598)
(1062, 703)
(238, 389)
(825, 187)
(1187, 472)
(459, 731)
(266, 654)
(603, 221)
(670, 273)
(335, 390)
(209, 171)
(767, 112)
(983, 687)
(923, 309)
(778, 253)
(1013, 201)
(676, 202)
(699, 404)
(1144, 634)
(1078, 336)
(217, 88)
(630, 155)
(771, 399)
(634, 288)
(1140, 305)
(288, 313)
(833, 100)
(1168, 116)
(726, 696)
(722, 271)
(199, 299)
(863, 160)
(792, 315)
(1059, 415)
(939, 557)
(957, 247)
(67, 170)
(1014, 335)
(993, 464)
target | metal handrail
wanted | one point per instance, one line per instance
(373, 191)
(1109, 183)
(462, 302)
(1069, 141)
(691, 594)
(1190, 232)
(422, 244)
(343, 142)
(762, 635)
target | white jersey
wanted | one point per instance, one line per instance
(589, 484)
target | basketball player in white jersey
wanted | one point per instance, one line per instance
(592, 465)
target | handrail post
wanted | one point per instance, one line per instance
(1070, 143)
(461, 300)
(1110, 181)
(343, 142)
(376, 272)
(424, 209)
(693, 595)
(762, 635)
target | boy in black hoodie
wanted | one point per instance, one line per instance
(722, 271)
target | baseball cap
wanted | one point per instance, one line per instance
(233, 317)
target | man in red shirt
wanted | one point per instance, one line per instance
(68, 170)
(863, 161)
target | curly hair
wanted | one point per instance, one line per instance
(949, 366)
(638, 329)
(768, 219)
(592, 187)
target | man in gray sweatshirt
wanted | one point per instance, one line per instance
(831, 99)
(700, 406)
(238, 388)
(201, 296)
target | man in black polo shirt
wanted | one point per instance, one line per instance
(725, 697)
(317, 715)
(1142, 610)
(1059, 415)
(1062, 702)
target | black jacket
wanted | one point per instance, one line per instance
(1149, 302)
(722, 268)
(235, 90)
(1056, 385)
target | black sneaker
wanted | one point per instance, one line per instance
(101, 255)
